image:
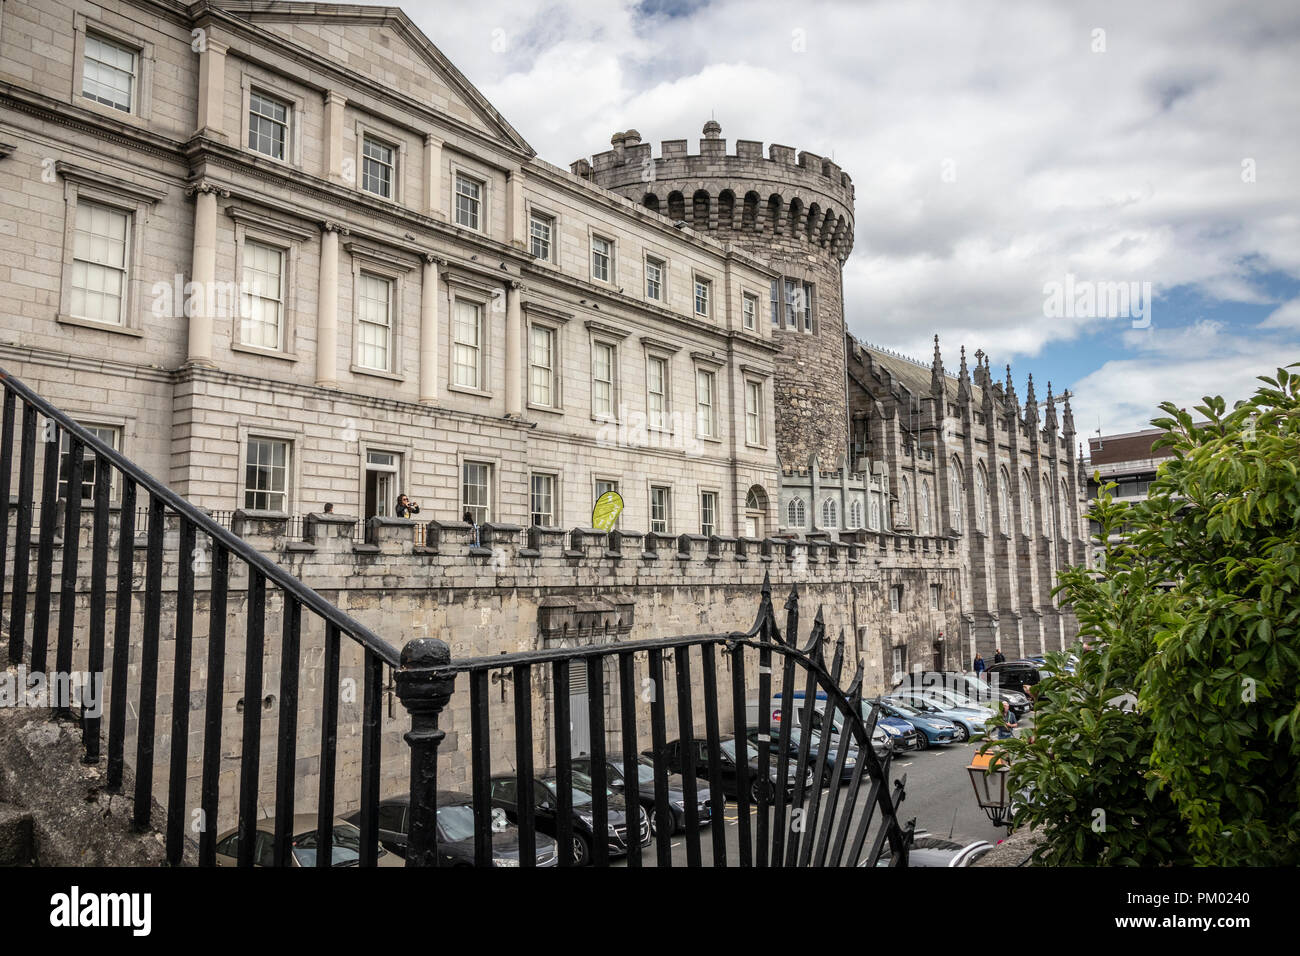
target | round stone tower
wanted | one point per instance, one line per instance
(793, 211)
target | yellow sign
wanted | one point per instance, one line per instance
(608, 507)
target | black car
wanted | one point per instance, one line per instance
(850, 759)
(546, 801)
(1015, 675)
(645, 770)
(455, 832)
(732, 777)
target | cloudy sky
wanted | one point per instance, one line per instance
(996, 148)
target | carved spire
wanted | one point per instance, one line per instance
(1067, 416)
(963, 379)
(1050, 417)
(936, 371)
(1013, 403)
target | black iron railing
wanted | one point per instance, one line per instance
(796, 820)
(41, 428)
(794, 823)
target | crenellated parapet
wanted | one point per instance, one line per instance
(793, 194)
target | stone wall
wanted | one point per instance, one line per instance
(512, 591)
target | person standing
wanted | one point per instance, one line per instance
(406, 507)
(997, 656)
(979, 665)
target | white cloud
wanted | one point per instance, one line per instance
(1121, 165)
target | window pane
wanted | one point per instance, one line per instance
(654, 279)
(602, 379)
(468, 202)
(266, 475)
(476, 491)
(374, 321)
(109, 73)
(601, 250)
(540, 231)
(377, 168)
(543, 501)
(704, 403)
(466, 345)
(263, 295)
(268, 124)
(541, 366)
(99, 262)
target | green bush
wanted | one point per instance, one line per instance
(1176, 740)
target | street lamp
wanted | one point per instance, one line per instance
(990, 783)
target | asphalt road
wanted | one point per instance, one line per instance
(938, 794)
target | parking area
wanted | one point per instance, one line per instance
(938, 795)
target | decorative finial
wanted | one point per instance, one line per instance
(712, 129)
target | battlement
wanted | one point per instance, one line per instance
(788, 191)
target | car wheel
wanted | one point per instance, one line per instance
(581, 854)
(960, 734)
(756, 795)
(922, 741)
(654, 822)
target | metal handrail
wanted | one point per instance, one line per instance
(233, 543)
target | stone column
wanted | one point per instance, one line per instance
(203, 272)
(514, 350)
(429, 294)
(334, 104)
(327, 307)
(212, 88)
(516, 225)
(433, 177)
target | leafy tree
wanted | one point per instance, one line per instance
(1182, 724)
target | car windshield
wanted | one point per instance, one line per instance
(891, 706)
(645, 770)
(581, 786)
(456, 821)
(345, 851)
(729, 749)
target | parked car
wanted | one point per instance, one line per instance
(968, 722)
(645, 784)
(935, 731)
(733, 776)
(345, 849)
(881, 740)
(952, 698)
(623, 824)
(1016, 675)
(814, 743)
(968, 684)
(455, 823)
(927, 850)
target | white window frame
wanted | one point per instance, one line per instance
(479, 299)
(709, 498)
(706, 412)
(133, 74)
(610, 264)
(755, 417)
(796, 513)
(855, 514)
(749, 311)
(239, 334)
(115, 433)
(85, 185)
(553, 332)
(475, 204)
(612, 415)
(380, 265)
(489, 492)
(397, 470)
(142, 87)
(288, 238)
(667, 507)
(250, 84)
(391, 141)
(550, 220)
(830, 513)
(554, 480)
(287, 492)
(664, 422)
(661, 264)
(702, 283)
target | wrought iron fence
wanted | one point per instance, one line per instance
(40, 428)
(796, 821)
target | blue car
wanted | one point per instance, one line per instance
(934, 731)
(970, 722)
(814, 740)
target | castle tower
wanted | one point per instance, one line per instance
(793, 211)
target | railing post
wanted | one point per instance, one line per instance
(424, 687)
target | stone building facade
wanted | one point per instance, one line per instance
(795, 211)
(285, 255)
